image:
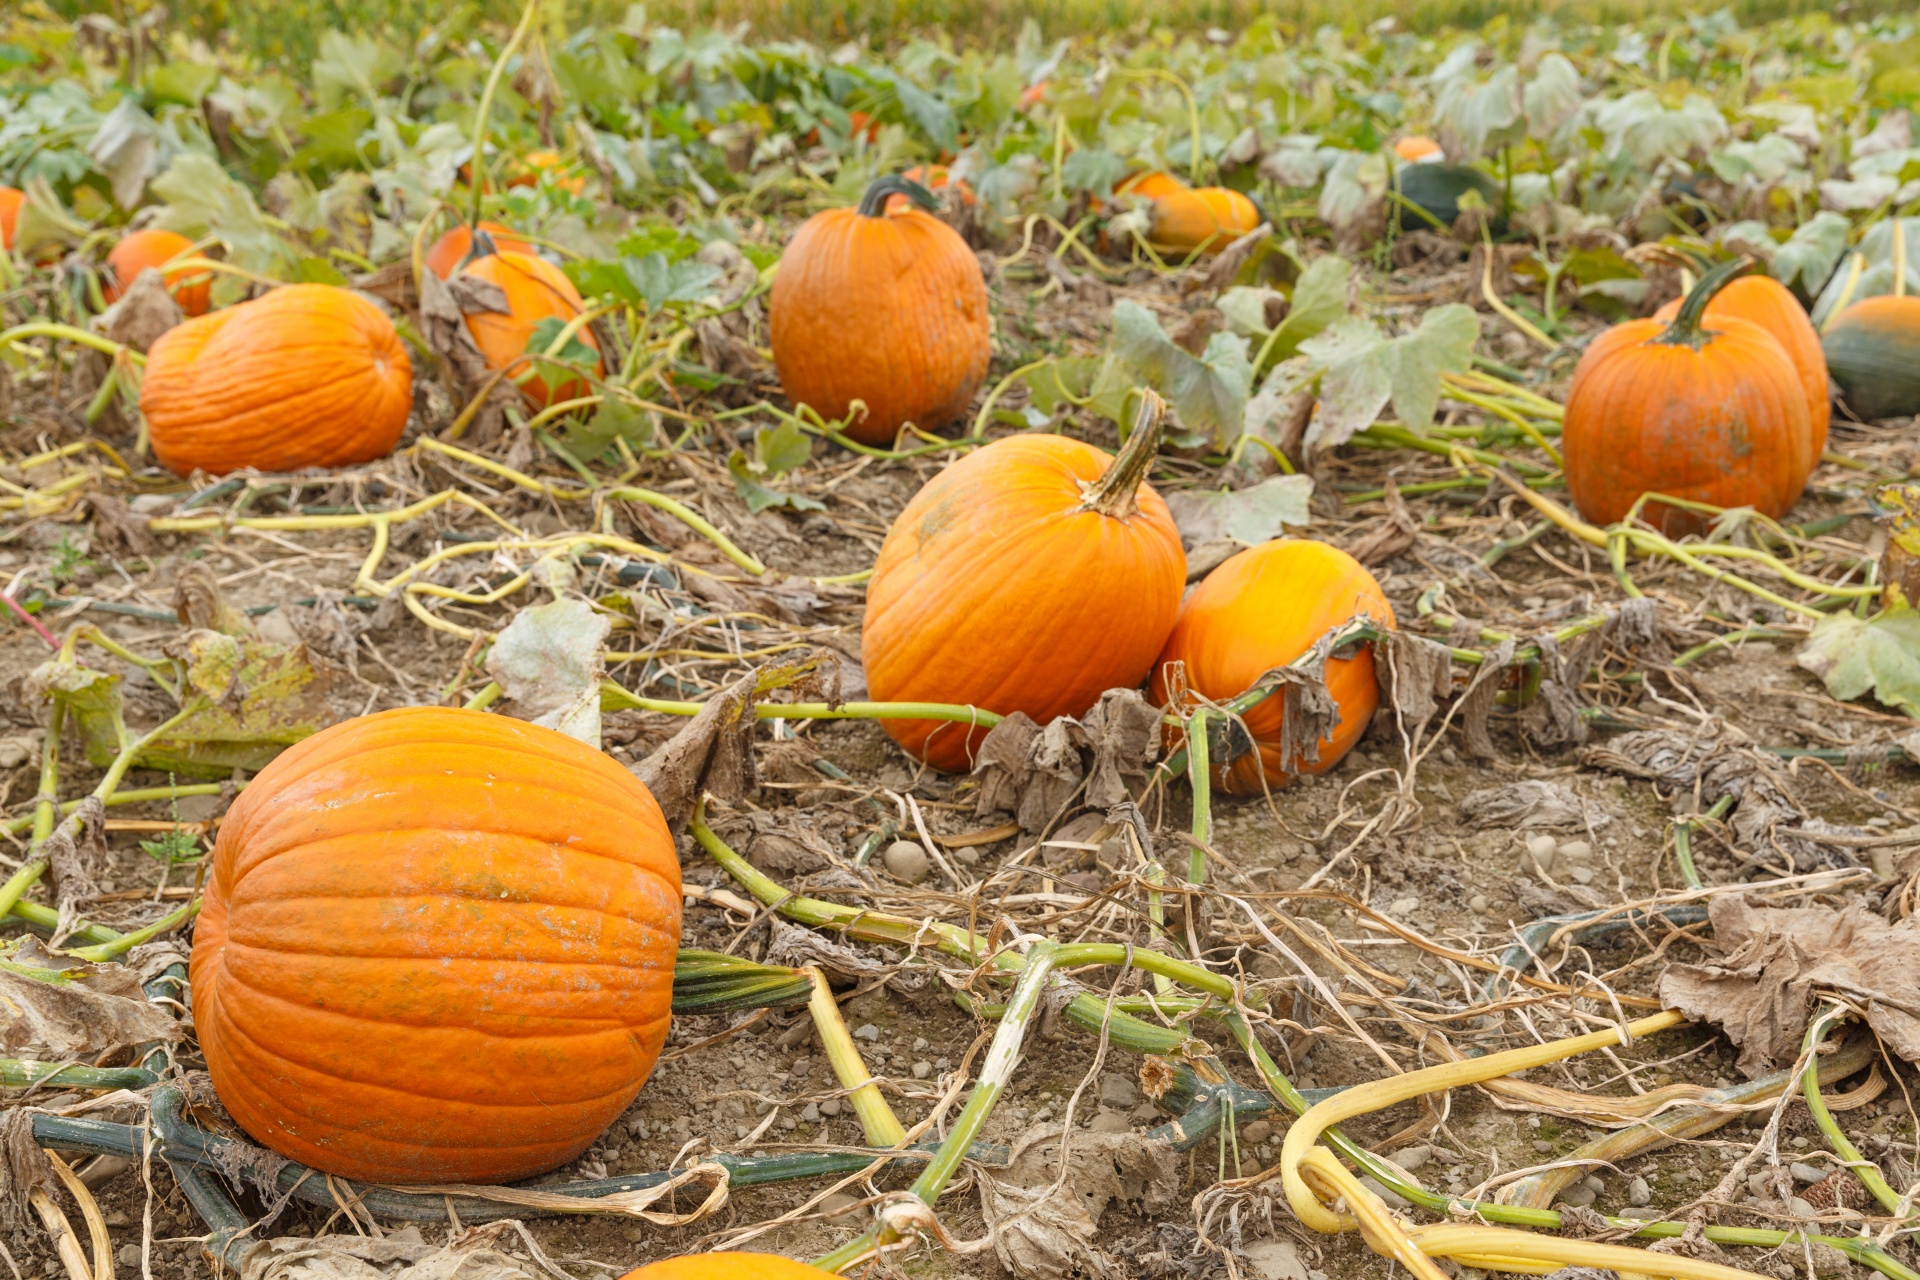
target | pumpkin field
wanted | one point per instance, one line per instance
(636, 644)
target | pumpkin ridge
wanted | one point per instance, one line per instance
(550, 1026)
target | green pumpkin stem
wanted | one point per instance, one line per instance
(1685, 331)
(874, 203)
(1116, 492)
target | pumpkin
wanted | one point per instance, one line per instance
(156, 247)
(934, 177)
(535, 289)
(1031, 575)
(447, 253)
(1034, 95)
(1150, 184)
(1772, 306)
(310, 375)
(437, 945)
(1259, 610)
(1710, 410)
(888, 308)
(1203, 220)
(529, 172)
(11, 198)
(727, 1266)
(1873, 348)
(1415, 149)
(1438, 189)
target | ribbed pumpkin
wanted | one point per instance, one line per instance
(535, 289)
(888, 308)
(1873, 348)
(1204, 220)
(1772, 306)
(1032, 575)
(309, 375)
(1711, 411)
(437, 946)
(11, 198)
(1416, 149)
(445, 255)
(155, 247)
(727, 1266)
(1259, 610)
(1150, 184)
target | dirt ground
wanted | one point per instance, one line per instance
(1376, 838)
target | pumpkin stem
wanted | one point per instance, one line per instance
(874, 203)
(1116, 492)
(1685, 331)
(482, 246)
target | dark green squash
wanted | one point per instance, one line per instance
(1438, 189)
(1873, 352)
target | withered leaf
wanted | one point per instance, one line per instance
(1038, 1231)
(712, 753)
(90, 1010)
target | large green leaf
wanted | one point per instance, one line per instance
(1209, 393)
(201, 199)
(1879, 655)
(1362, 370)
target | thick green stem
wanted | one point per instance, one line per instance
(478, 165)
(877, 1121)
(1864, 1169)
(693, 520)
(1683, 839)
(102, 952)
(1685, 331)
(1200, 777)
(1117, 492)
(874, 203)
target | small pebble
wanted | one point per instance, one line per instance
(1580, 1195)
(837, 1204)
(129, 1255)
(811, 1113)
(1576, 851)
(1542, 847)
(907, 862)
(830, 1108)
(919, 1044)
(1639, 1194)
(1412, 1158)
(868, 1032)
(1542, 1145)
(1404, 906)
(1256, 1133)
(1760, 1185)
(1592, 1183)
(1580, 875)
(1449, 755)
(921, 1070)
(1805, 1173)
(1110, 1122)
(1116, 1090)
(1801, 1209)
(1479, 903)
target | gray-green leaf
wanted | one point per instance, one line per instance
(1250, 516)
(1878, 655)
(1363, 370)
(1209, 393)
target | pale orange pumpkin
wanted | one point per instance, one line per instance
(11, 198)
(155, 247)
(446, 254)
(535, 289)
(1203, 220)
(1260, 610)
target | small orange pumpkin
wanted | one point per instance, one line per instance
(1711, 410)
(1032, 575)
(934, 177)
(535, 290)
(1034, 95)
(1259, 610)
(1415, 149)
(1203, 220)
(727, 1266)
(1150, 184)
(155, 247)
(437, 946)
(888, 308)
(537, 163)
(446, 254)
(11, 198)
(1772, 306)
(310, 375)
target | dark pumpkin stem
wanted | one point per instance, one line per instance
(1685, 331)
(1116, 492)
(483, 246)
(874, 203)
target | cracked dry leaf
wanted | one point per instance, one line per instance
(58, 1010)
(1781, 960)
(713, 753)
(400, 1255)
(547, 661)
(1040, 1232)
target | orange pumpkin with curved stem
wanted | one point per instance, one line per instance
(727, 1266)
(1772, 306)
(888, 308)
(155, 247)
(1709, 410)
(1202, 220)
(535, 289)
(1259, 610)
(1032, 575)
(310, 375)
(437, 946)
(446, 254)
(11, 198)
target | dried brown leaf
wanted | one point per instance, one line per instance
(1045, 1232)
(144, 312)
(92, 1010)
(713, 753)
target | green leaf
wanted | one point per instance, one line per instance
(184, 83)
(1552, 98)
(1474, 119)
(352, 67)
(1064, 381)
(597, 278)
(1811, 252)
(1250, 516)
(759, 497)
(202, 200)
(1879, 655)
(547, 661)
(123, 148)
(614, 420)
(781, 448)
(1645, 130)
(1319, 299)
(933, 116)
(662, 283)
(1093, 169)
(1209, 393)
(574, 351)
(1362, 370)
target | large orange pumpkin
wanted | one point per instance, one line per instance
(1032, 575)
(535, 289)
(727, 1266)
(309, 375)
(11, 198)
(1711, 410)
(155, 247)
(1259, 610)
(1203, 220)
(437, 946)
(1772, 306)
(888, 308)
(1874, 347)
(446, 254)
